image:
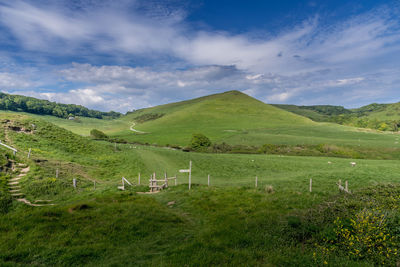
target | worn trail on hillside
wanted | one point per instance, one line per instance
(136, 131)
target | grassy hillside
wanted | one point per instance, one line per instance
(218, 116)
(320, 113)
(235, 118)
(230, 223)
(383, 117)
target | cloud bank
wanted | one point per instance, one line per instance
(310, 63)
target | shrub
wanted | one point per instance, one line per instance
(96, 134)
(199, 142)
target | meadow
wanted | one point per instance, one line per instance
(279, 223)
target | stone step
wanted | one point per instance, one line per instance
(15, 190)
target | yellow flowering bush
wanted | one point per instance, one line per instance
(366, 237)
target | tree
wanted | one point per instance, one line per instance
(199, 142)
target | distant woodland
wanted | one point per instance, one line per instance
(44, 107)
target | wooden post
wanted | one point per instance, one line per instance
(151, 183)
(74, 182)
(190, 174)
(256, 181)
(176, 182)
(29, 153)
(310, 185)
(340, 183)
(346, 186)
(139, 179)
(208, 180)
(57, 173)
(165, 178)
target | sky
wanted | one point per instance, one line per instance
(130, 54)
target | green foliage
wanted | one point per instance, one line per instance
(148, 117)
(199, 142)
(96, 134)
(365, 228)
(44, 107)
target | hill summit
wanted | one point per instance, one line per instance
(215, 115)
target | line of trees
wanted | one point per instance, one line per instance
(45, 107)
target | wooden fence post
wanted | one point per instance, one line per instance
(310, 185)
(139, 179)
(208, 180)
(256, 181)
(176, 178)
(74, 182)
(346, 186)
(29, 153)
(190, 174)
(165, 178)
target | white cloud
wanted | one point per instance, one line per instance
(13, 81)
(300, 65)
(281, 97)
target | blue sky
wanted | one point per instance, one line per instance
(124, 55)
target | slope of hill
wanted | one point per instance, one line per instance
(229, 223)
(320, 113)
(230, 117)
(384, 117)
(218, 116)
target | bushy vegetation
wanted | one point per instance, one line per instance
(147, 117)
(96, 134)
(199, 142)
(44, 107)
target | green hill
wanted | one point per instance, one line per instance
(279, 223)
(218, 116)
(321, 113)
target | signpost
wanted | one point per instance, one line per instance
(190, 173)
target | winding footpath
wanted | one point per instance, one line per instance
(15, 189)
(136, 131)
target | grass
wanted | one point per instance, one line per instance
(230, 223)
(231, 117)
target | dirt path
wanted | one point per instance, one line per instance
(136, 131)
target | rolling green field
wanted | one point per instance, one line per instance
(230, 117)
(230, 223)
